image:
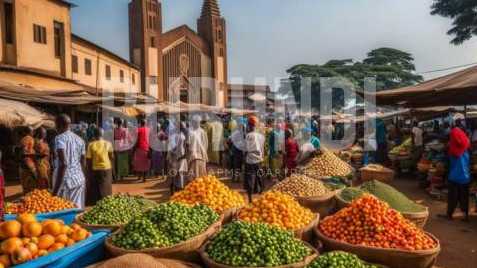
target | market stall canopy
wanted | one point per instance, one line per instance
(62, 97)
(16, 114)
(458, 88)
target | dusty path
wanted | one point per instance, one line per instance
(458, 239)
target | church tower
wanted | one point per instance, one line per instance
(211, 27)
(145, 30)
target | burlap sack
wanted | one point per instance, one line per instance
(394, 258)
(142, 261)
(185, 251)
(320, 204)
(212, 264)
(93, 227)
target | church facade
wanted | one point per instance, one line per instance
(180, 64)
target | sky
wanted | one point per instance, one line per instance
(266, 37)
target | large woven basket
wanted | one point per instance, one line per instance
(212, 264)
(393, 258)
(322, 205)
(384, 175)
(306, 233)
(93, 227)
(184, 251)
(418, 218)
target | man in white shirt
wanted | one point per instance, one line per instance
(255, 146)
(198, 144)
(417, 140)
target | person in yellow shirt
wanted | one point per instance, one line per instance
(100, 158)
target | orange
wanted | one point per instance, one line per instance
(33, 248)
(42, 252)
(34, 240)
(55, 247)
(11, 228)
(26, 217)
(79, 235)
(11, 244)
(65, 229)
(5, 260)
(32, 229)
(75, 226)
(53, 228)
(62, 238)
(70, 242)
(45, 241)
(21, 255)
(25, 240)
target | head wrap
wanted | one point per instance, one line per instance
(253, 121)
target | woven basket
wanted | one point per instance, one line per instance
(229, 214)
(184, 251)
(418, 218)
(394, 258)
(384, 175)
(306, 233)
(212, 264)
(94, 227)
(319, 204)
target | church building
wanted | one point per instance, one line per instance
(180, 64)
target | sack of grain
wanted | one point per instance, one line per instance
(142, 261)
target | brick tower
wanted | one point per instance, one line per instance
(145, 30)
(211, 27)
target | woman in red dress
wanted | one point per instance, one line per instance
(291, 152)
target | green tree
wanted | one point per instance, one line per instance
(464, 16)
(390, 67)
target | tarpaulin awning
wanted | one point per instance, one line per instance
(15, 114)
(459, 88)
(63, 97)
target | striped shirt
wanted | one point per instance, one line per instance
(73, 147)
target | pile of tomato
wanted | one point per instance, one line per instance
(371, 222)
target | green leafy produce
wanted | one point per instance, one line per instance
(117, 209)
(339, 259)
(390, 195)
(351, 193)
(384, 192)
(256, 245)
(165, 225)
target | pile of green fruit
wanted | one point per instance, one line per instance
(256, 245)
(339, 259)
(386, 193)
(116, 210)
(165, 225)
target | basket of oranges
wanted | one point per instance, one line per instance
(369, 228)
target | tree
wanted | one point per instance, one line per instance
(390, 67)
(464, 16)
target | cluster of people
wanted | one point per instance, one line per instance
(81, 163)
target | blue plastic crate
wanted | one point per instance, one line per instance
(81, 254)
(68, 216)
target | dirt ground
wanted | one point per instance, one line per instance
(458, 239)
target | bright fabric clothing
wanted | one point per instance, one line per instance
(315, 141)
(254, 144)
(291, 153)
(141, 161)
(73, 185)
(143, 138)
(98, 151)
(458, 142)
(43, 164)
(198, 145)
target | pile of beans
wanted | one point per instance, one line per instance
(302, 186)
